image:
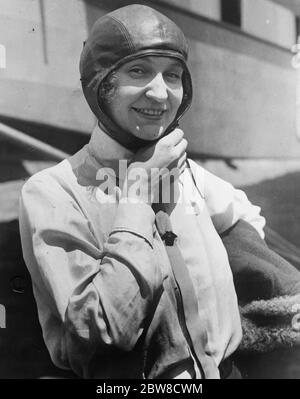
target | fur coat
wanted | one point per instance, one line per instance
(268, 289)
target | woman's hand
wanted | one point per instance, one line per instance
(151, 166)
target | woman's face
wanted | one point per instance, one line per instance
(149, 93)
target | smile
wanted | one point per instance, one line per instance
(149, 111)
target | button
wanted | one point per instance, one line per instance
(169, 238)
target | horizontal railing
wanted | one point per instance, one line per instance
(34, 145)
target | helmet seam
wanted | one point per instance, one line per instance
(125, 33)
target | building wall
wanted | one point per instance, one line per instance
(269, 21)
(244, 99)
(43, 40)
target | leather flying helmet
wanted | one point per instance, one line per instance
(121, 36)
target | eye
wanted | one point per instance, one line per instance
(137, 71)
(174, 76)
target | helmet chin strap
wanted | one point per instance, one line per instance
(128, 140)
(138, 129)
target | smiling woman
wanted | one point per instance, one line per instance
(148, 95)
(128, 284)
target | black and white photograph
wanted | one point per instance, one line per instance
(149, 192)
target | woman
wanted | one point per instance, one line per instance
(103, 244)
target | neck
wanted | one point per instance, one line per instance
(107, 151)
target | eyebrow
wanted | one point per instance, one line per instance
(177, 63)
(149, 59)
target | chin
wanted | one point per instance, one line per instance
(150, 133)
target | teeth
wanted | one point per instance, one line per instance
(146, 111)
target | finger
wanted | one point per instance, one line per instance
(181, 160)
(180, 148)
(182, 164)
(181, 170)
(174, 137)
(178, 164)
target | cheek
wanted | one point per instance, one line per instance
(125, 98)
(177, 98)
(180, 94)
(116, 107)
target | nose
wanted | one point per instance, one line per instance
(157, 89)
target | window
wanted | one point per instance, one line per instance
(231, 12)
(207, 8)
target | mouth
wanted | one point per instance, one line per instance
(150, 112)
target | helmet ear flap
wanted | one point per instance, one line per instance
(187, 93)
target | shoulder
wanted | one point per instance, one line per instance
(208, 183)
(48, 180)
(202, 175)
(195, 167)
(46, 197)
